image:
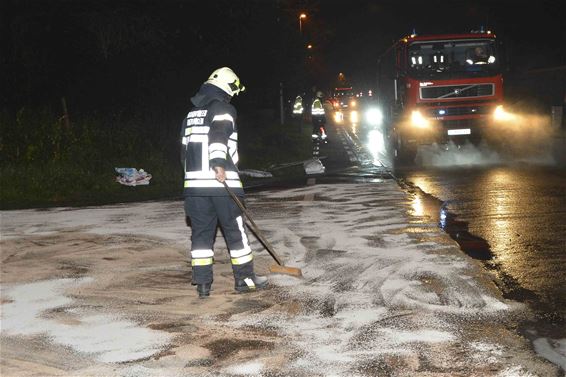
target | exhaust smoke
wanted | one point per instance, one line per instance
(517, 138)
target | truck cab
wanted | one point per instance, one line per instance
(440, 88)
(344, 98)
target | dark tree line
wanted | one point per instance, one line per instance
(78, 76)
(143, 55)
(89, 85)
(141, 60)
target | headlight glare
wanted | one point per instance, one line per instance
(501, 115)
(374, 116)
(354, 116)
(418, 120)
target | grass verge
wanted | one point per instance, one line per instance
(84, 174)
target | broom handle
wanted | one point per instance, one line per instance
(254, 227)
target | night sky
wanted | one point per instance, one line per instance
(108, 54)
(533, 32)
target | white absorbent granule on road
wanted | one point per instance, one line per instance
(109, 338)
(401, 301)
(246, 369)
(515, 371)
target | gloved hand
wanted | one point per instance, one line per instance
(220, 174)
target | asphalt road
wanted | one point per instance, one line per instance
(107, 290)
(506, 211)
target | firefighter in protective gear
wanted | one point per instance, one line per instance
(318, 118)
(298, 106)
(209, 155)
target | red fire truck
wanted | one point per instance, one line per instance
(438, 88)
(343, 97)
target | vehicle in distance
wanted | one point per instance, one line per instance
(344, 98)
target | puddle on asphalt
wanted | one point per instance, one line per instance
(476, 247)
(427, 208)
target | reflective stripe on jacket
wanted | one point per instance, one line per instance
(316, 108)
(210, 138)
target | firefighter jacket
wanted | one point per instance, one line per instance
(209, 138)
(316, 108)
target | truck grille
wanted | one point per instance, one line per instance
(457, 91)
(454, 111)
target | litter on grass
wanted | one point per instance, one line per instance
(132, 176)
(313, 166)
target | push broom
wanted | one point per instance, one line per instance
(279, 268)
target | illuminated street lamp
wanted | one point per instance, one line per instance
(309, 46)
(302, 16)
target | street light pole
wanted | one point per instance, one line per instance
(302, 16)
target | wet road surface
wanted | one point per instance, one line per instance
(106, 290)
(508, 213)
(519, 212)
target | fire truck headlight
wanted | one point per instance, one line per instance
(374, 117)
(501, 115)
(354, 116)
(418, 120)
(353, 103)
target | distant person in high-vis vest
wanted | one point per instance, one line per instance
(298, 106)
(318, 118)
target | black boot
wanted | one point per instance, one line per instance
(251, 283)
(203, 290)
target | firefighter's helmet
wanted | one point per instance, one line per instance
(319, 94)
(226, 79)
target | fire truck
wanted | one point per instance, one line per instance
(440, 88)
(343, 97)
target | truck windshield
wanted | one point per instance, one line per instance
(445, 59)
(343, 93)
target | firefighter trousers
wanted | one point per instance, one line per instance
(205, 212)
